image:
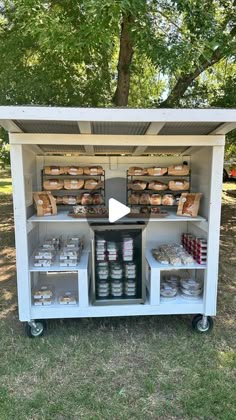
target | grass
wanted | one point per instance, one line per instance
(118, 368)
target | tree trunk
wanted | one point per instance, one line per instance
(121, 95)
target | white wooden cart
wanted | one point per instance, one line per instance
(115, 139)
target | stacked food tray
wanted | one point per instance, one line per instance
(187, 287)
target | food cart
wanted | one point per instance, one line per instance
(72, 261)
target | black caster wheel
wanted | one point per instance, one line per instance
(36, 330)
(199, 326)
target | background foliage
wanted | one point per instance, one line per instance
(67, 53)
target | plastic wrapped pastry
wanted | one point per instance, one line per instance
(157, 186)
(156, 171)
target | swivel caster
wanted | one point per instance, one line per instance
(35, 328)
(202, 323)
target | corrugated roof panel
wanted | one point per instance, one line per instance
(48, 148)
(115, 150)
(57, 127)
(125, 128)
(194, 128)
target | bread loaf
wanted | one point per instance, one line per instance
(138, 185)
(54, 170)
(93, 170)
(45, 203)
(53, 184)
(73, 184)
(178, 170)
(178, 185)
(69, 199)
(144, 199)
(86, 199)
(168, 200)
(74, 170)
(157, 186)
(156, 171)
(92, 184)
(134, 198)
(97, 199)
(135, 170)
(155, 199)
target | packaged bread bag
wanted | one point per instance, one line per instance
(178, 185)
(45, 203)
(53, 184)
(135, 170)
(178, 170)
(156, 171)
(54, 170)
(189, 204)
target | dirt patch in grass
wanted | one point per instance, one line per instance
(119, 368)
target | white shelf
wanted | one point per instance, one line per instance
(82, 265)
(62, 216)
(153, 263)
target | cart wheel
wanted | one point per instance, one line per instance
(198, 325)
(37, 330)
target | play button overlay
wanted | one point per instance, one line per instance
(117, 210)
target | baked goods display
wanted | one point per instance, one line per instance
(189, 204)
(116, 271)
(75, 185)
(45, 203)
(172, 254)
(88, 211)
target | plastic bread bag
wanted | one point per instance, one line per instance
(189, 204)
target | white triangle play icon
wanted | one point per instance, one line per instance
(117, 210)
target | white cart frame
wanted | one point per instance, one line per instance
(28, 155)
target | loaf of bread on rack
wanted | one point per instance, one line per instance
(157, 186)
(74, 170)
(97, 199)
(136, 170)
(178, 170)
(155, 199)
(45, 203)
(54, 170)
(156, 171)
(134, 198)
(168, 200)
(86, 199)
(92, 184)
(93, 170)
(189, 204)
(73, 184)
(178, 185)
(137, 185)
(144, 199)
(69, 199)
(53, 184)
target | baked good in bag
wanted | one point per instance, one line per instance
(45, 203)
(138, 185)
(178, 170)
(86, 199)
(178, 185)
(74, 170)
(73, 184)
(157, 186)
(53, 184)
(156, 171)
(144, 199)
(134, 198)
(91, 184)
(93, 170)
(69, 199)
(155, 199)
(168, 200)
(54, 170)
(189, 204)
(135, 170)
(97, 199)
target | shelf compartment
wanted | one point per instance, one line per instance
(154, 264)
(82, 265)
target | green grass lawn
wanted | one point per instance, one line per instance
(118, 368)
